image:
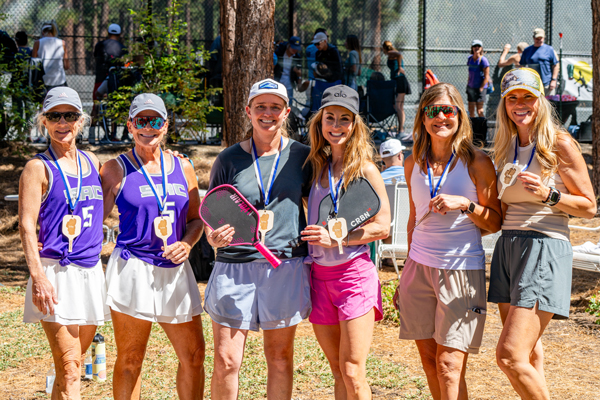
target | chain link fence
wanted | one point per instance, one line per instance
(430, 34)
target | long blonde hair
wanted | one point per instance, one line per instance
(359, 148)
(545, 130)
(462, 141)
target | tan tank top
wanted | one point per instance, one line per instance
(527, 212)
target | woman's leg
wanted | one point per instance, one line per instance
(428, 352)
(451, 365)
(86, 336)
(229, 352)
(400, 111)
(328, 337)
(480, 109)
(472, 105)
(65, 345)
(520, 335)
(279, 352)
(188, 341)
(131, 338)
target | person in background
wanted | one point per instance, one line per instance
(513, 60)
(311, 54)
(393, 160)
(353, 62)
(329, 55)
(19, 79)
(542, 58)
(479, 76)
(53, 53)
(395, 63)
(288, 65)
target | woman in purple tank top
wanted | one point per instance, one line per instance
(61, 189)
(345, 289)
(148, 275)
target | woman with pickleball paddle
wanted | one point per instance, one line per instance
(61, 190)
(543, 179)
(245, 292)
(453, 201)
(346, 293)
(148, 275)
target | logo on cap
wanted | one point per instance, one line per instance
(148, 102)
(268, 85)
(340, 94)
(63, 94)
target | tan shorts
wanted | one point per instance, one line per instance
(445, 305)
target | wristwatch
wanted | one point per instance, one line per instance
(553, 197)
(470, 209)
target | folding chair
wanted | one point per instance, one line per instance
(381, 98)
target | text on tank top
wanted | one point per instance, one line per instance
(138, 208)
(88, 245)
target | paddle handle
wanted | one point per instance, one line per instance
(262, 249)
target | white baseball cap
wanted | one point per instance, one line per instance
(114, 29)
(147, 101)
(268, 86)
(319, 37)
(390, 147)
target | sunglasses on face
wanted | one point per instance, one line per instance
(434, 110)
(142, 122)
(69, 116)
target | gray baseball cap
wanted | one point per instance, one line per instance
(62, 95)
(341, 95)
(147, 101)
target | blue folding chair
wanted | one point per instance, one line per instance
(381, 97)
(316, 93)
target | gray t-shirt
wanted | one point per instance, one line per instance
(234, 166)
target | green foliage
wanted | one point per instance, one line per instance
(390, 314)
(163, 64)
(594, 308)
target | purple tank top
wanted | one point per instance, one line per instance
(138, 208)
(88, 245)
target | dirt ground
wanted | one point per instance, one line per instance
(572, 347)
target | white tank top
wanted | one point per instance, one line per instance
(52, 52)
(450, 241)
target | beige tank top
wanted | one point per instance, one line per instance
(527, 212)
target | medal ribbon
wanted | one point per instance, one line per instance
(70, 199)
(433, 192)
(266, 194)
(161, 203)
(335, 194)
(517, 154)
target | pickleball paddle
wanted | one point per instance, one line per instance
(358, 203)
(225, 205)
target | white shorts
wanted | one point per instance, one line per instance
(144, 291)
(81, 295)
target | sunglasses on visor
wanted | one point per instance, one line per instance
(69, 116)
(434, 110)
(142, 122)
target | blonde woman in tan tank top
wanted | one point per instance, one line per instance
(542, 179)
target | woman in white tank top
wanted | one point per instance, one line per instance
(453, 199)
(53, 53)
(543, 179)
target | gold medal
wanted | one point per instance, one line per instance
(338, 231)
(163, 228)
(71, 228)
(266, 218)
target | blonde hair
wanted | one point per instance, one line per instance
(284, 126)
(545, 131)
(388, 46)
(462, 141)
(359, 148)
(53, 29)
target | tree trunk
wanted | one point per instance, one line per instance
(79, 55)
(377, 35)
(596, 98)
(247, 30)
(68, 32)
(104, 27)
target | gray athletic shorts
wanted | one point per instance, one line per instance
(255, 295)
(529, 267)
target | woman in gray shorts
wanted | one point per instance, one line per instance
(441, 295)
(542, 179)
(244, 291)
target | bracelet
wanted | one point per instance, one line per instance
(553, 79)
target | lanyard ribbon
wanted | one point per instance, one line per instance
(266, 193)
(70, 198)
(161, 203)
(434, 191)
(517, 154)
(335, 194)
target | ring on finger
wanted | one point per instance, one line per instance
(438, 207)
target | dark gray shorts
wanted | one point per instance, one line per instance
(474, 95)
(529, 267)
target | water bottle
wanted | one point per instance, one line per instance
(98, 358)
(88, 366)
(50, 376)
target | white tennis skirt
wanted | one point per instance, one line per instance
(81, 295)
(144, 291)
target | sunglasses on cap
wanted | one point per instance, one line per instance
(434, 110)
(69, 116)
(142, 122)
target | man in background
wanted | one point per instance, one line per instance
(543, 59)
(329, 55)
(393, 158)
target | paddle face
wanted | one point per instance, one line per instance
(225, 205)
(358, 203)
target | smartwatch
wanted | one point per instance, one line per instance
(470, 209)
(553, 197)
